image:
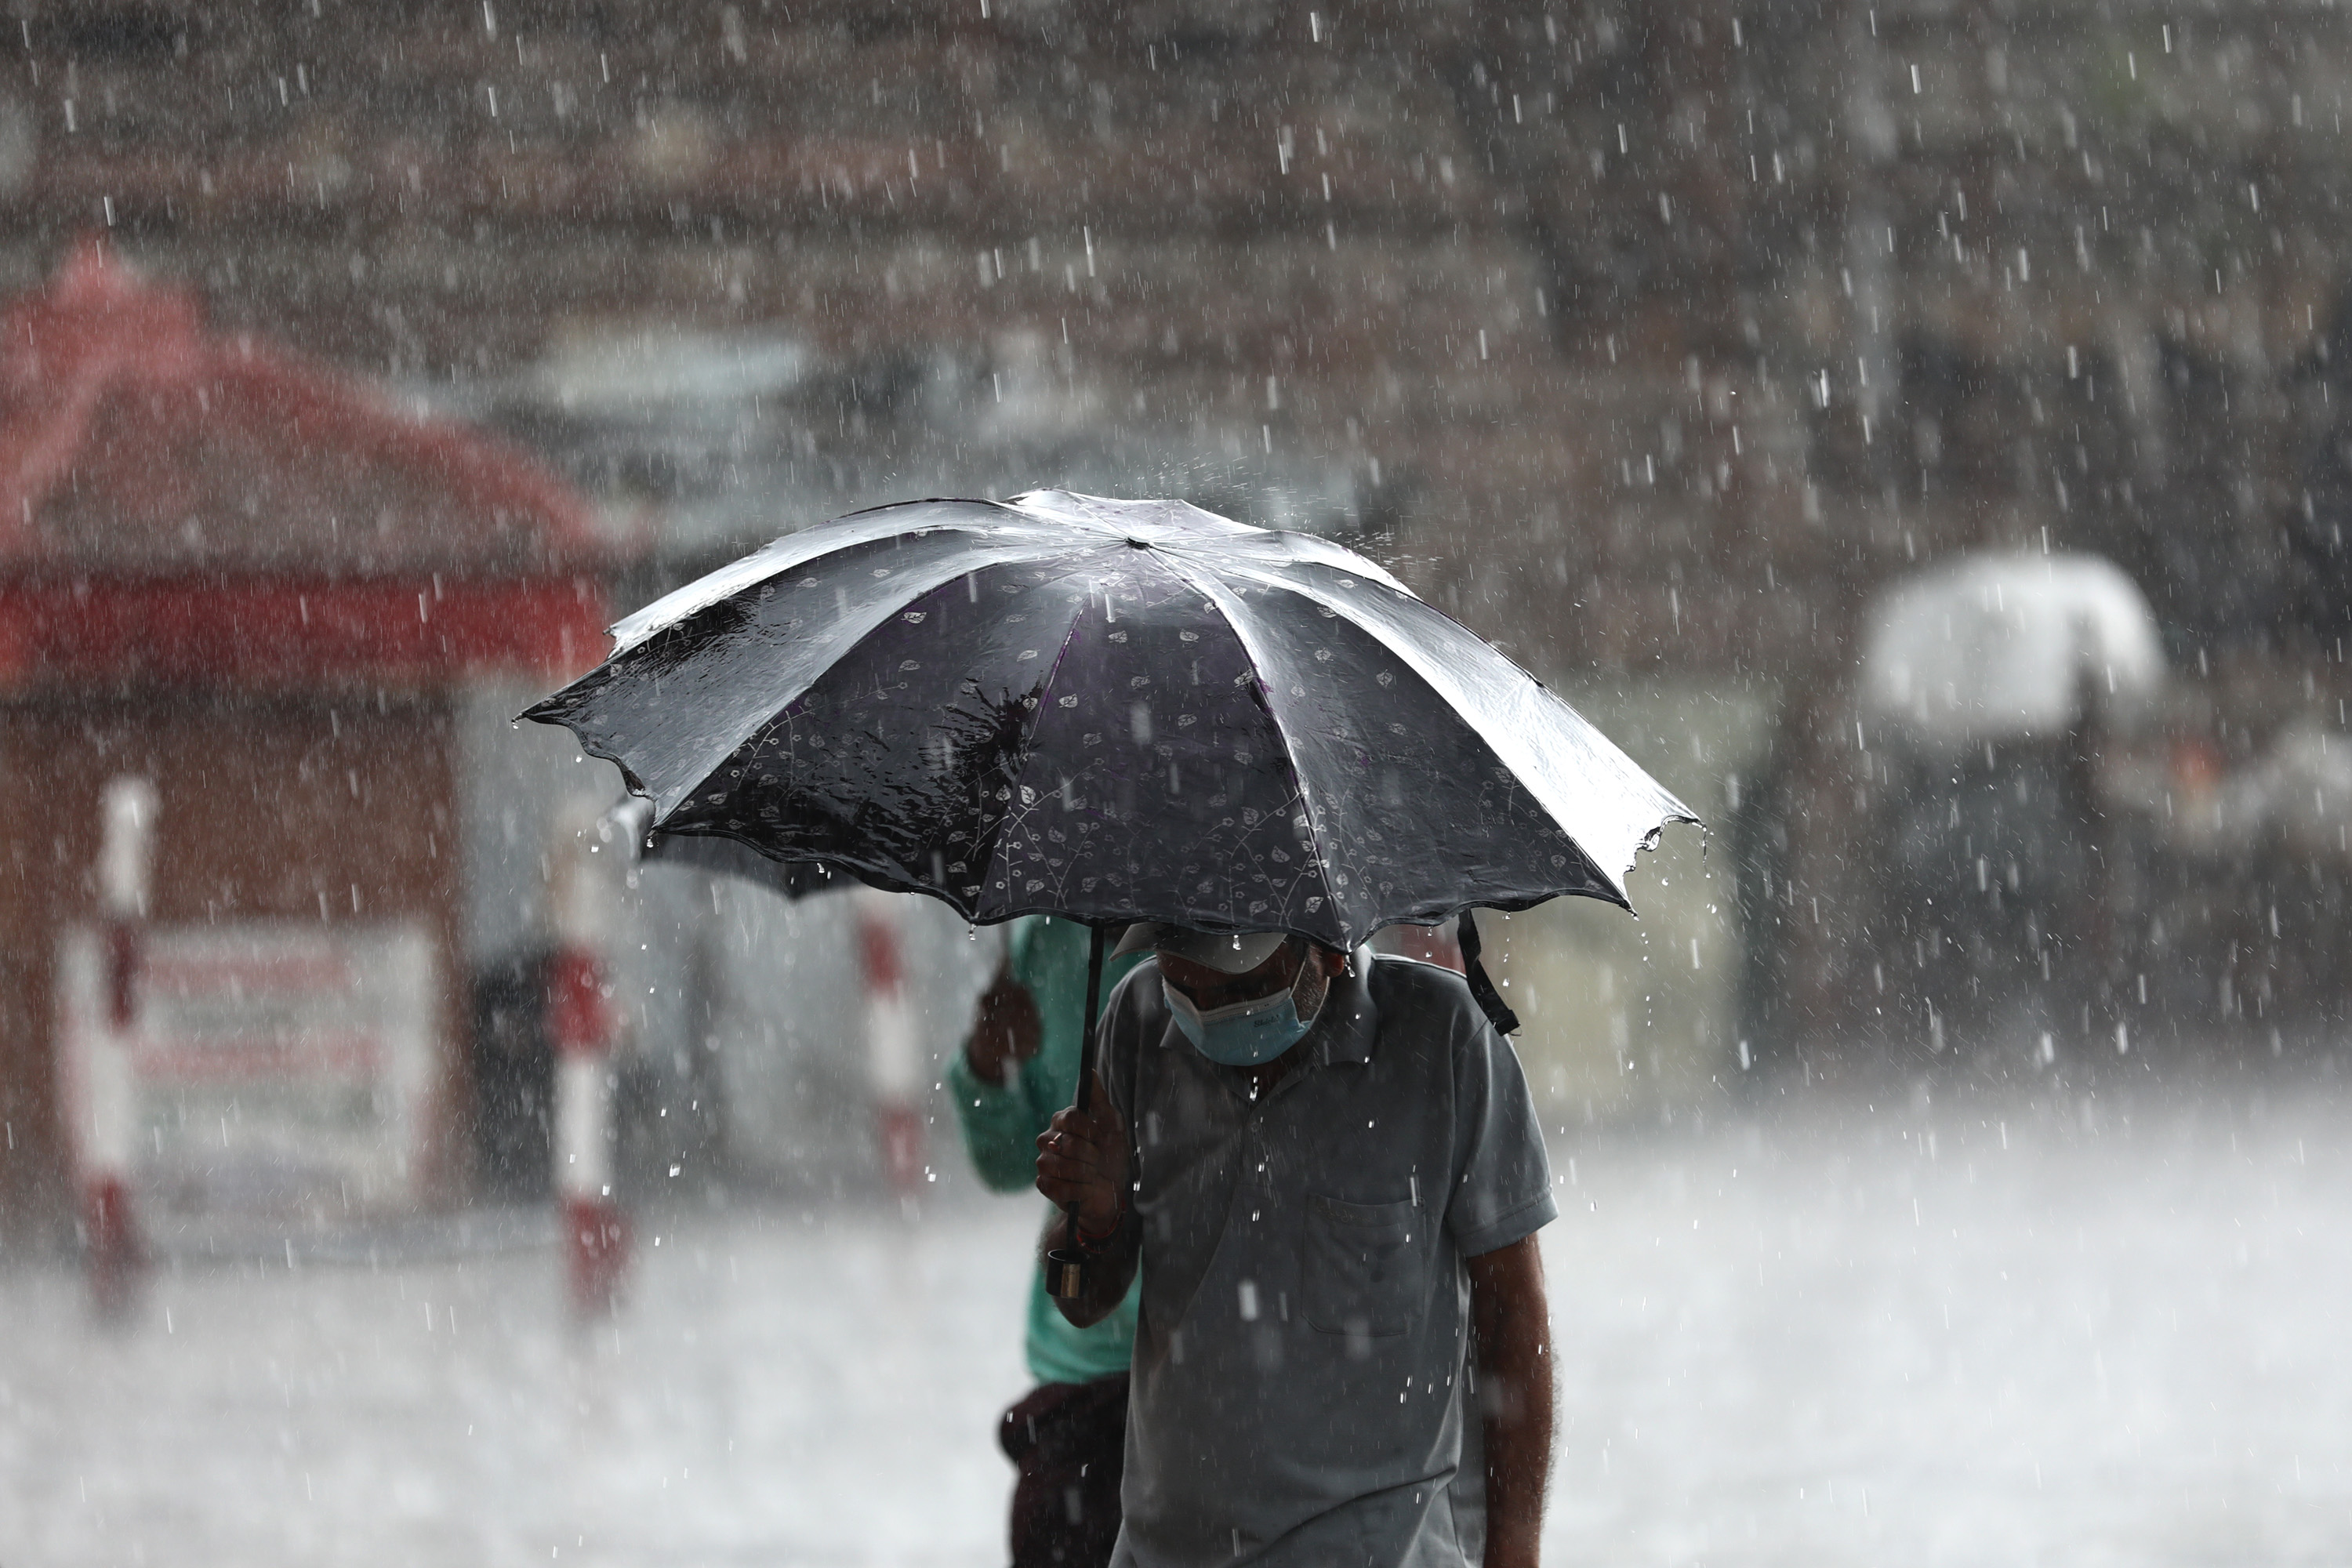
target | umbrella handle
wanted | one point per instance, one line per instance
(1066, 1266)
(1086, 1026)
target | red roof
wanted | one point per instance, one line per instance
(134, 441)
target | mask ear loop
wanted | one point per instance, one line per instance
(1482, 990)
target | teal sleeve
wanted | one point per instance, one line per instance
(1000, 1127)
(1059, 1352)
(1000, 1123)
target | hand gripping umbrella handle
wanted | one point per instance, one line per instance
(1067, 1265)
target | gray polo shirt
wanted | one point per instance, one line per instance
(1301, 1382)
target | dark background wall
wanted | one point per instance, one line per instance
(1497, 282)
(1645, 336)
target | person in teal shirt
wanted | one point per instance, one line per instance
(1068, 1435)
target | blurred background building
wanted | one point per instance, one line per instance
(1663, 343)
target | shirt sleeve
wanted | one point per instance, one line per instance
(999, 1126)
(1123, 1022)
(1000, 1123)
(1502, 1190)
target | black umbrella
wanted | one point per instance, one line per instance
(1112, 710)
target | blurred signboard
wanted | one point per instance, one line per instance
(1635, 1017)
(277, 1067)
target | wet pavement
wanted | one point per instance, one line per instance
(2085, 1331)
(2068, 1329)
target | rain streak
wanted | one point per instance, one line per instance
(1164, 782)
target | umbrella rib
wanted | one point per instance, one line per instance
(1215, 592)
(783, 554)
(1027, 747)
(838, 651)
(1670, 808)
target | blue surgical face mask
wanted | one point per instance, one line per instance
(1241, 1034)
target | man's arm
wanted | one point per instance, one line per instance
(992, 1101)
(1512, 1323)
(1007, 1030)
(1082, 1159)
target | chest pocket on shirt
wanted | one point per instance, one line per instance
(1363, 1272)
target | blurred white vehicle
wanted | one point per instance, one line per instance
(2010, 647)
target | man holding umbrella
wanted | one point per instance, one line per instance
(1329, 1170)
(1326, 1168)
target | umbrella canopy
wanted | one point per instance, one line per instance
(1110, 711)
(631, 822)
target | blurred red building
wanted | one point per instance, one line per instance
(260, 584)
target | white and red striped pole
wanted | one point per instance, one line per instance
(112, 1253)
(893, 1061)
(582, 1025)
